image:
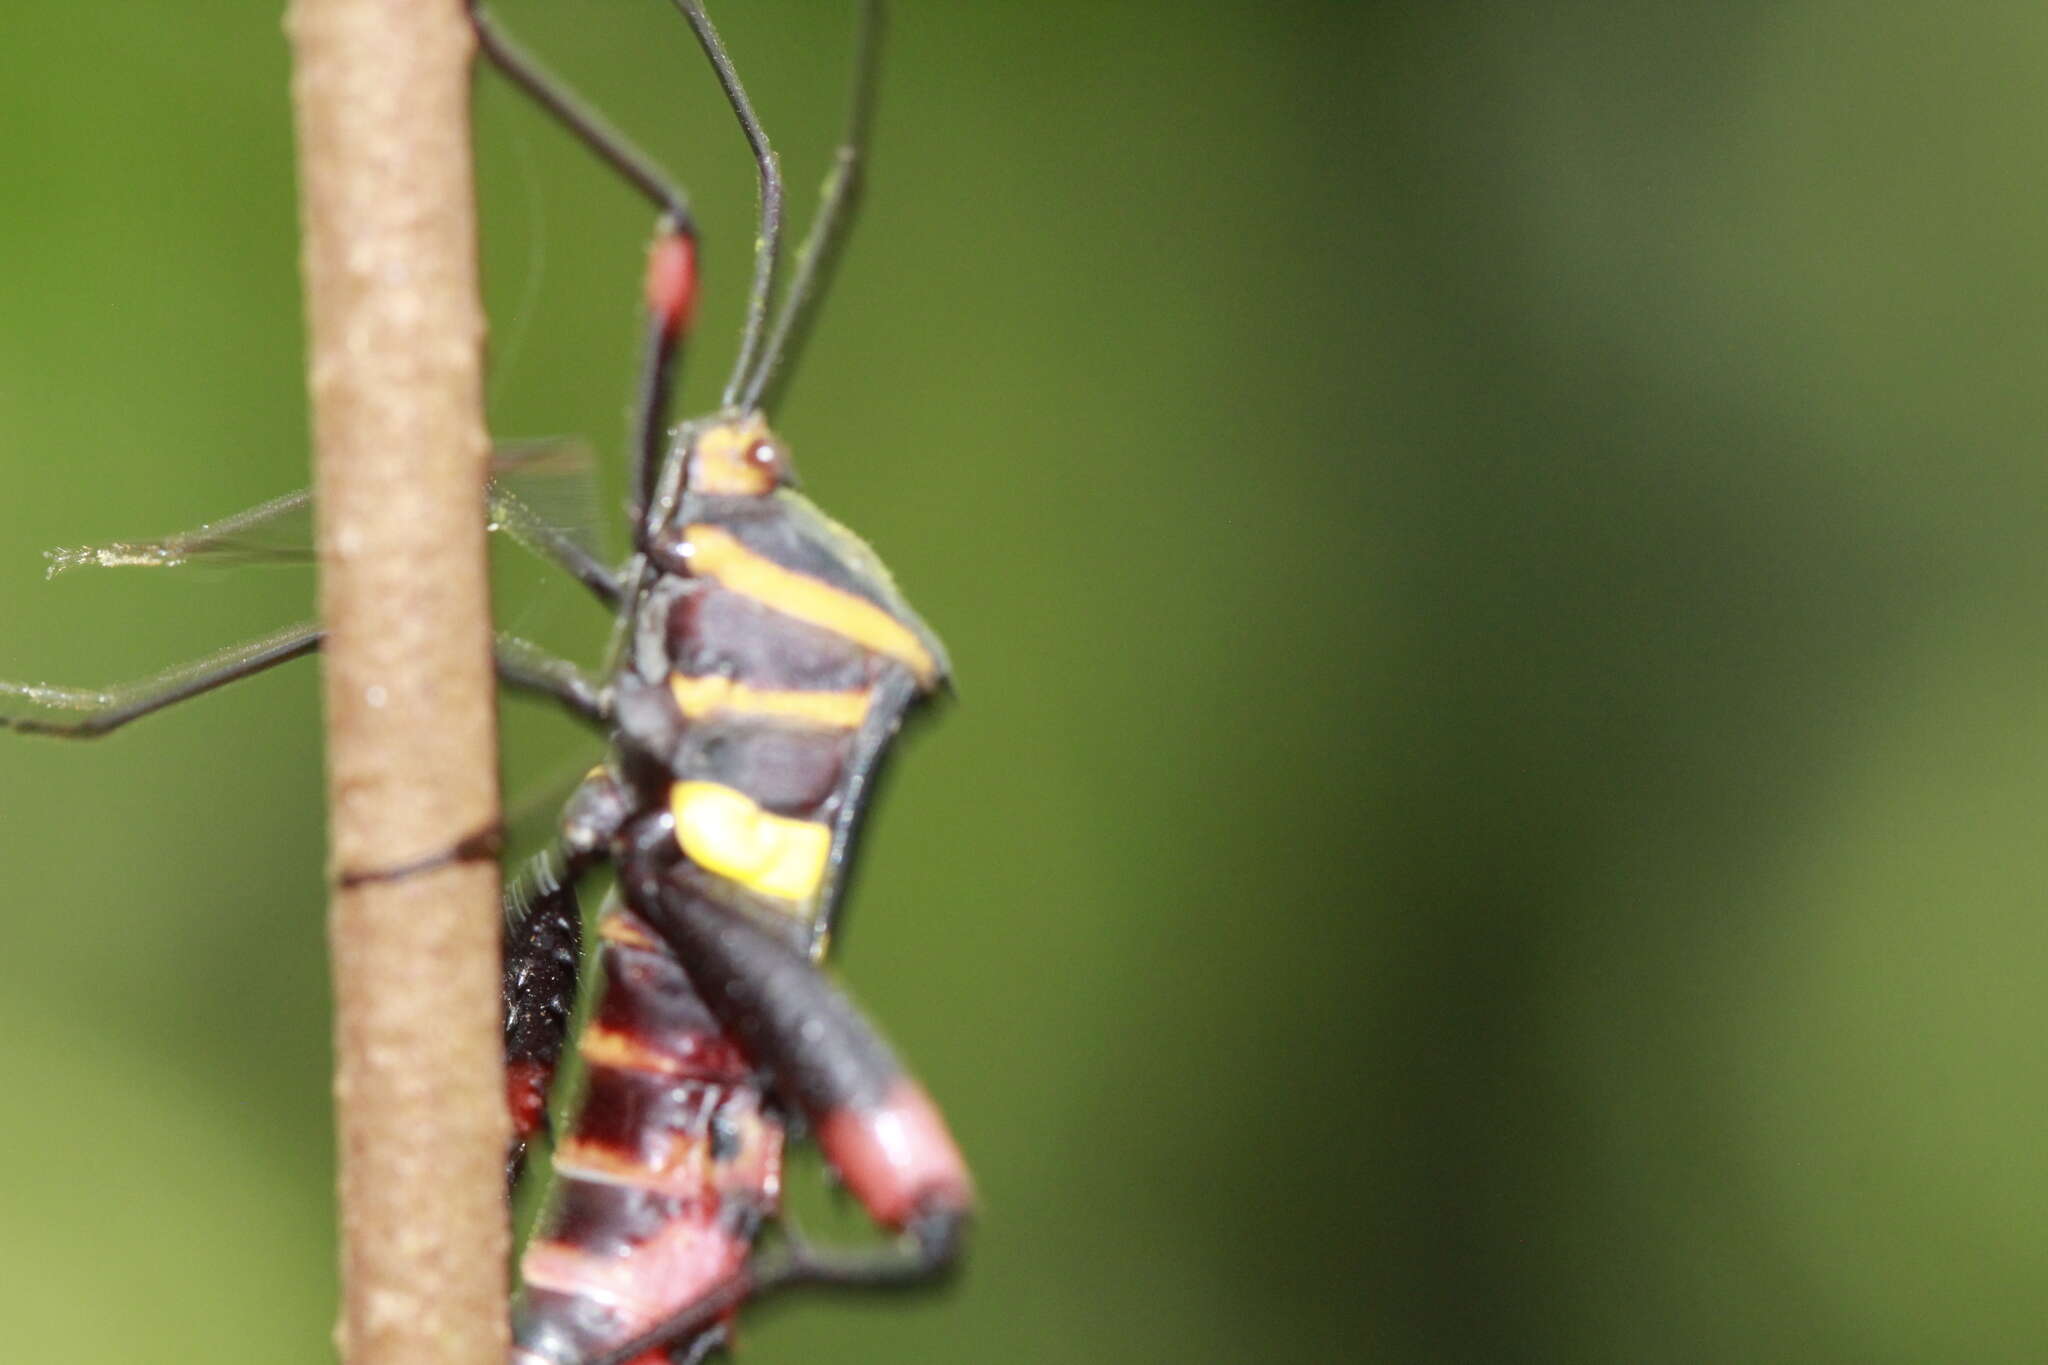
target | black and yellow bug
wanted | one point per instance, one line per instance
(762, 664)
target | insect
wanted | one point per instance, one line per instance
(762, 663)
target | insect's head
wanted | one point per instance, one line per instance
(737, 457)
(730, 455)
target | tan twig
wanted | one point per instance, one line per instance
(381, 91)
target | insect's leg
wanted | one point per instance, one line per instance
(691, 1335)
(672, 264)
(86, 713)
(570, 110)
(510, 514)
(671, 300)
(838, 205)
(873, 1122)
(526, 667)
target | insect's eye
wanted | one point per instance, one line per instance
(767, 459)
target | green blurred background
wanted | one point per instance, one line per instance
(1493, 553)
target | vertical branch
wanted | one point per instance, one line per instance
(381, 90)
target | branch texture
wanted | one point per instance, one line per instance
(381, 90)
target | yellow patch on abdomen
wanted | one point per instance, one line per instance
(726, 832)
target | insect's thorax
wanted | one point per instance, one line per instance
(772, 663)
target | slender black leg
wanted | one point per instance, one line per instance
(675, 239)
(510, 514)
(927, 1252)
(702, 1318)
(892, 697)
(570, 110)
(87, 713)
(481, 846)
(526, 667)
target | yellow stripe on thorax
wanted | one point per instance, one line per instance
(714, 553)
(726, 832)
(715, 695)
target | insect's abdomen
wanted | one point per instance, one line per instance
(667, 1168)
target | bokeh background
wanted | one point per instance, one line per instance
(1494, 553)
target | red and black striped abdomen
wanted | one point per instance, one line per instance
(668, 1165)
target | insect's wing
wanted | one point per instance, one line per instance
(543, 497)
(549, 484)
(539, 490)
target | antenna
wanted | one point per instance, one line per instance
(768, 245)
(838, 206)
